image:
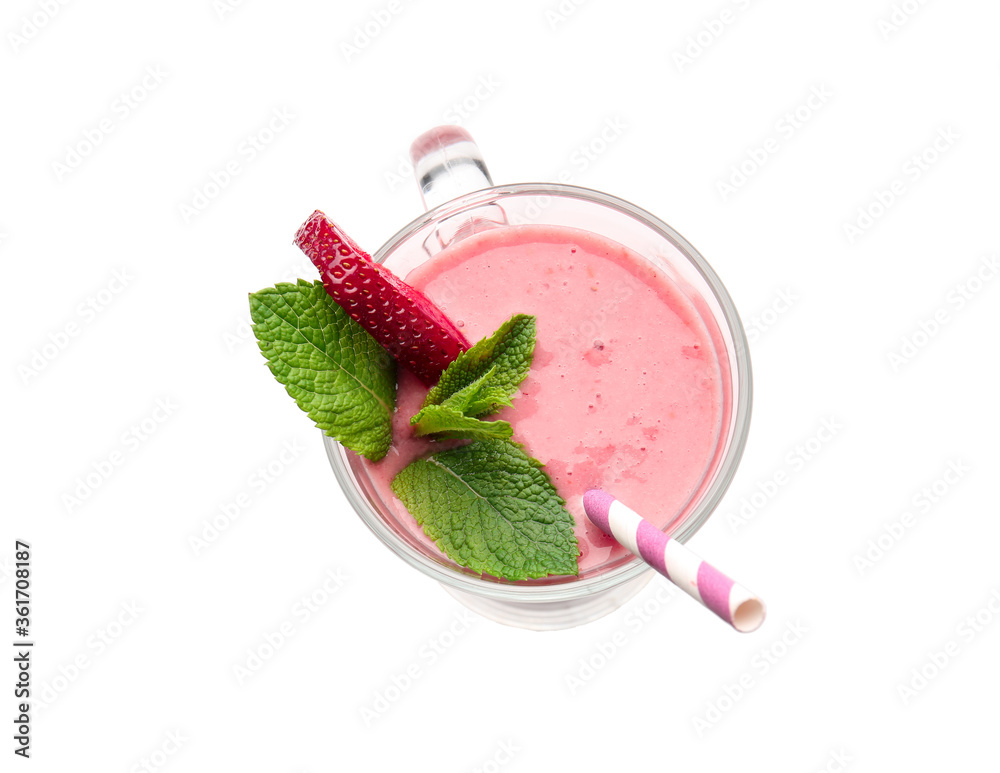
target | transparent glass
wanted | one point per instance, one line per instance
(550, 604)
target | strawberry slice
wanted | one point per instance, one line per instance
(401, 318)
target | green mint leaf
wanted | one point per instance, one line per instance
(480, 397)
(335, 371)
(507, 353)
(445, 423)
(455, 417)
(487, 401)
(491, 508)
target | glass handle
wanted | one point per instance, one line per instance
(447, 163)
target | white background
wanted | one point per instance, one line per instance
(536, 83)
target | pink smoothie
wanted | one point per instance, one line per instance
(625, 392)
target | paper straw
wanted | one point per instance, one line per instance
(699, 579)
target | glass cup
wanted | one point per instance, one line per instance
(448, 165)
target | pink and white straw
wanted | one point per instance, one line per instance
(699, 579)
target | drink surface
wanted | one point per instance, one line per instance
(625, 391)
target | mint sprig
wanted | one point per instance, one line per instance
(446, 423)
(487, 394)
(479, 382)
(335, 371)
(491, 508)
(455, 417)
(503, 357)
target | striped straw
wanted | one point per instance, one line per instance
(699, 579)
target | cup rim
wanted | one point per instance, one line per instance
(475, 584)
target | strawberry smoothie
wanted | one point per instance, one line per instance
(625, 391)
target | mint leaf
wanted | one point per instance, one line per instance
(507, 353)
(329, 364)
(491, 508)
(455, 417)
(480, 396)
(444, 422)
